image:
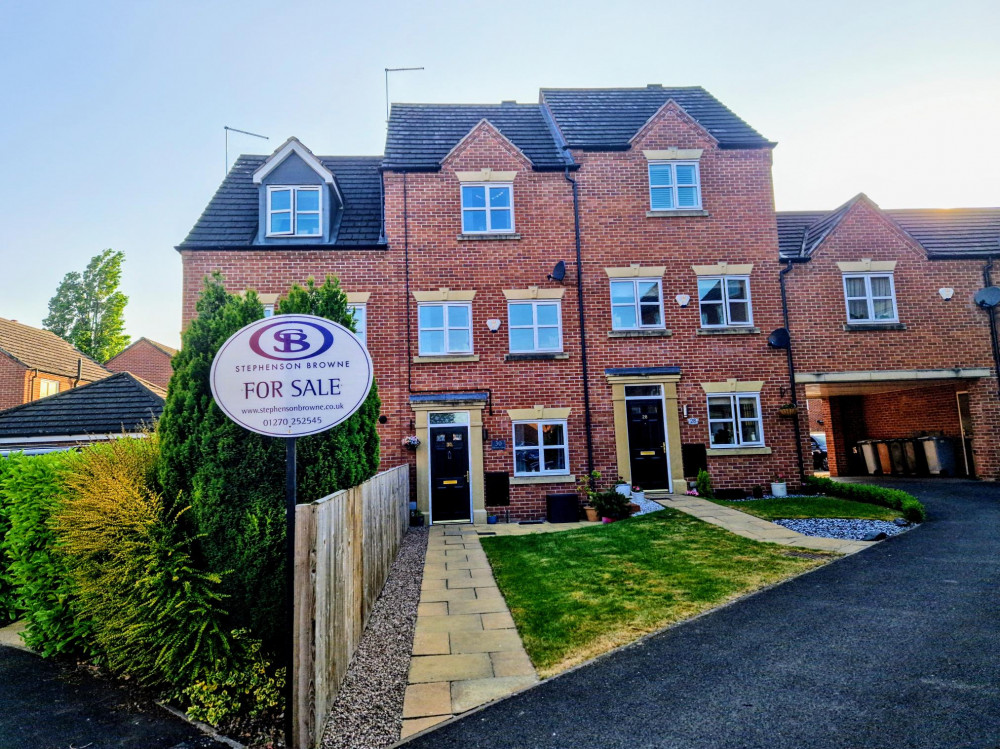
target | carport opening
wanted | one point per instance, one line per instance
(893, 428)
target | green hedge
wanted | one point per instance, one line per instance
(895, 499)
(9, 608)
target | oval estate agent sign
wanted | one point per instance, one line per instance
(291, 375)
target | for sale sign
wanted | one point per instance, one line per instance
(291, 375)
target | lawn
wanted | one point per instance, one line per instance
(577, 594)
(811, 507)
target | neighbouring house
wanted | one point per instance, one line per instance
(116, 406)
(37, 363)
(591, 282)
(145, 359)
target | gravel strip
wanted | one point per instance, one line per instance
(368, 713)
(856, 530)
(647, 506)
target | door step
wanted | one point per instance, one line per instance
(655, 494)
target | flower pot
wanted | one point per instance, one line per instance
(788, 412)
(638, 496)
(592, 516)
(491, 520)
(623, 489)
(607, 520)
(779, 489)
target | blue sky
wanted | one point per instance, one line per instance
(113, 111)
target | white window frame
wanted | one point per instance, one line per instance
(539, 423)
(726, 301)
(268, 310)
(360, 324)
(672, 187)
(735, 421)
(446, 327)
(293, 210)
(509, 186)
(869, 299)
(536, 348)
(46, 384)
(637, 304)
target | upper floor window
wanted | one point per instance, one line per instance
(360, 314)
(445, 329)
(294, 211)
(871, 297)
(487, 208)
(534, 326)
(540, 448)
(47, 388)
(674, 185)
(724, 301)
(268, 310)
(636, 303)
(734, 420)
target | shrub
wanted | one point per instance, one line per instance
(703, 484)
(234, 479)
(33, 489)
(896, 499)
(154, 615)
(611, 504)
(9, 608)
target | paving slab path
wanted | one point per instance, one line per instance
(466, 650)
(893, 647)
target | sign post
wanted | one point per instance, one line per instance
(290, 376)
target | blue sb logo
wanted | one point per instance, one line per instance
(291, 341)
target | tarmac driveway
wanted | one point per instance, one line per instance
(897, 646)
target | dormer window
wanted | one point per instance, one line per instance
(294, 211)
(487, 209)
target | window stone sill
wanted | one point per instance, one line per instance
(675, 214)
(445, 359)
(857, 326)
(524, 480)
(658, 333)
(536, 357)
(494, 237)
(725, 452)
(734, 330)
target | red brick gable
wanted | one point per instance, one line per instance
(485, 147)
(672, 127)
(865, 219)
(145, 359)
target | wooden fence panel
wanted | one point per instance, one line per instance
(345, 544)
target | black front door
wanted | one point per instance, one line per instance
(647, 445)
(450, 473)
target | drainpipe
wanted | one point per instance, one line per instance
(31, 385)
(791, 372)
(406, 270)
(991, 311)
(583, 334)
(79, 373)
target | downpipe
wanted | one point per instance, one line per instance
(791, 372)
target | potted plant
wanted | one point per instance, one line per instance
(778, 486)
(588, 487)
(411, 442)
(416, 518)
(623, 487)
(637, 493)
(788, 410)
(610, 505)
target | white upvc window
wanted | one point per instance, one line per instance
(268, 310)
(534, 326)
(724, 301)
(870, 297)
(360, 314)
(674, 185)
(294, 211)
(47, 388)
(541, 448)
(734, 420)
(636, 304)
(445, 328)
(487, 208)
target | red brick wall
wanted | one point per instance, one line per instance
(912, 413)
(144, 360)
(14, 383)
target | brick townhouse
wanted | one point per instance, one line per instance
(36, 363)
(584, 283)
(145, 359)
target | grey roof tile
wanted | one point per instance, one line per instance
(230, 219)
(119, 403)
(607, 118)
(421, 135)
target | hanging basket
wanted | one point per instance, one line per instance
(788, 412)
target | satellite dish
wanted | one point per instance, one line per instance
(779, 339)
(988, 298)
(558, 273)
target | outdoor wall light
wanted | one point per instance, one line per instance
(683, 300)
(493, 324)
(946, 293)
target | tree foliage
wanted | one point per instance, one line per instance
(233, 478)
(88, 310)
